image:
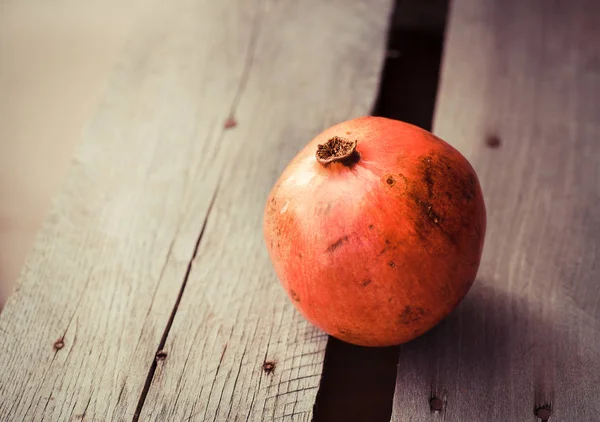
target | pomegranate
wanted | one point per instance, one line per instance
(375, 230)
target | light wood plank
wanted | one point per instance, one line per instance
(528, 333)
(314, 63)
(107, 266)
(98, 292)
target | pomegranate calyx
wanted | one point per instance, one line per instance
(338, 149)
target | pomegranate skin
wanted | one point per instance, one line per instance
(377, 248)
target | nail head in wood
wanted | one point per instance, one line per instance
(493, 141)
(436, 404)
(59, 344)
(230, 123)
(543, 412)
(269, 367)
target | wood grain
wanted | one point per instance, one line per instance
(527, 75)
(148, 293)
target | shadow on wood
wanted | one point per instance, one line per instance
(357, 384)
(471, 355)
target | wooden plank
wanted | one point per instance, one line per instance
(105, 270)
(98, 294)
(526, 73)
(314, 63)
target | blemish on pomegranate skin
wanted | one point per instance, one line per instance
(337, 244)
(371, 227)
(392, 264)
(398, 182)
(230, 123)
(428, 176)
(411, 315)
(285, 207)
(348, 333)
(470, 189)
(366, 283)
(294, 296)
(427, 208)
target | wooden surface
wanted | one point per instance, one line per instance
(528, 74)
(148, 293)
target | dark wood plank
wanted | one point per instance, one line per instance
(520, 97)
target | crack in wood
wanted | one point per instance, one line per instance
(237, 377)
(163, 339)
(82, 415)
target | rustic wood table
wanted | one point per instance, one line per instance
(149, 296)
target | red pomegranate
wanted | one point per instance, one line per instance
(375, 230)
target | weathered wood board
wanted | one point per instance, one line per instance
(526, 75)
(155, 242)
